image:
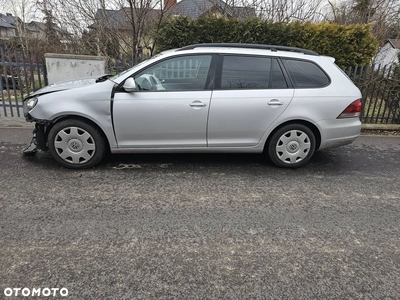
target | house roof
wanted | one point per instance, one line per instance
(109, 18)
(197, 8)
(8, 21)
(119, 19)
(106, 18)
(395, 43)
(40, 26)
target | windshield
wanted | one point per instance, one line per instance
(137, 65)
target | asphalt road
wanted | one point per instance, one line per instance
(203, 226)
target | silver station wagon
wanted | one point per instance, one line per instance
(282, 101)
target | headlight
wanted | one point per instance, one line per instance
(31, 103)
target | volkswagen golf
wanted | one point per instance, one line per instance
(281, 101)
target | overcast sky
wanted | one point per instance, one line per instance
(14, 7)
(32, 13)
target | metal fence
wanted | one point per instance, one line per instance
(380, 88)
(117, 65)
(20, 75)
(23, 73)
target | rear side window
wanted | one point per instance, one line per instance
(305, 74)
(251, 72)
(245, 72)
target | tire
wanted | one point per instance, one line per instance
(291, 146)
(75, 144)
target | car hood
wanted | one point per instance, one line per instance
(67, 85)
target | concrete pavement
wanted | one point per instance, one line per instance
(15, 122)
(203, 226)
(13, 117)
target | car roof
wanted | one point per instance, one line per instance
(252, 49)
(273, 48)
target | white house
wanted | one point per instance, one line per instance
(388, 54)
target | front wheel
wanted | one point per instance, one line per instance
(291, 146)
(76, 144)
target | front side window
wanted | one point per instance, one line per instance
(185, 73)
(245, 72)
(305, 74)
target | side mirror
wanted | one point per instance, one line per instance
(130, 85)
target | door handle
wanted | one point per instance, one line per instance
(275, 102)
(197, 103)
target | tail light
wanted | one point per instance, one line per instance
(352, 111)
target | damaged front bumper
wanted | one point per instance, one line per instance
(39, 140)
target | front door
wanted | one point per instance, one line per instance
(170, 107)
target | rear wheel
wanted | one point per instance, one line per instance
(76, 144)
(291, 146)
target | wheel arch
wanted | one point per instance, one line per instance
(77, 117)
(310, 125)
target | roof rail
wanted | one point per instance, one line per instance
(253, 46)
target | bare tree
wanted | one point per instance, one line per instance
(22, 10)
(144, 18)
(383, 14)
(77, 16)
(287, 11)
(111, 27)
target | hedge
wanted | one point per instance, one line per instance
(351, 45)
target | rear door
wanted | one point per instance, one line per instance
(250, 93)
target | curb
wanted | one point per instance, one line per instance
(387, 127)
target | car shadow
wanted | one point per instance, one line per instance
(186, 158)
(327, 160)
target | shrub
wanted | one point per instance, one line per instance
(350, 44)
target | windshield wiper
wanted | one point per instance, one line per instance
(103, 78)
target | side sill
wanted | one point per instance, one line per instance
(188, 150)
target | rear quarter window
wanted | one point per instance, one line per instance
(305, 74)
